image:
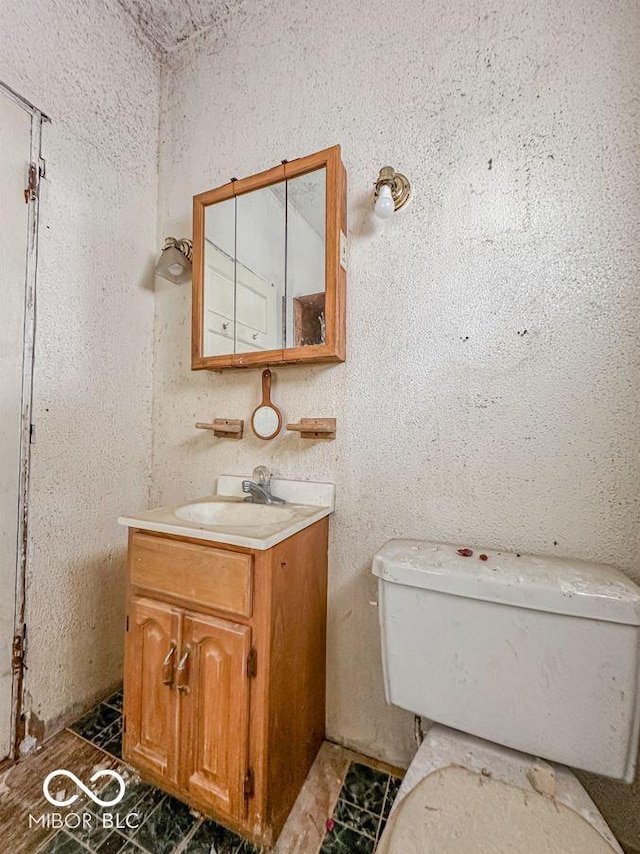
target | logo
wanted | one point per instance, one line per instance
(85, 819)
(61, 772)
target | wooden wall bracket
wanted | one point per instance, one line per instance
(224, 428)
(315, 428)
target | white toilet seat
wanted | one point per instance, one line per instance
(463, 795)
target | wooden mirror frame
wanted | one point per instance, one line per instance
(334, 347)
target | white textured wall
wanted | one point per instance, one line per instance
(83, 64)
(491, 389)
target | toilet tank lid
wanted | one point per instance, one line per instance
(542, 583)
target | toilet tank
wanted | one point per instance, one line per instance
(539, 654)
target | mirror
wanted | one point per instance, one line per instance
(305, 318)
(269, 274)
(266, 421)
(219, 279)
(244, 282)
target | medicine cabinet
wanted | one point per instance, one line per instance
(269, 267)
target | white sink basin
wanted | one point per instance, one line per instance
(227, 518)
(232, 514)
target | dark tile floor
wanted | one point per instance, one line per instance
(103, 725)
(165, 825)
(362, 810)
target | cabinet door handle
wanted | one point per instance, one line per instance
(167, 666)
(182, 676)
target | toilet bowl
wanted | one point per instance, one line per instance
(514, 657)
(463, 795)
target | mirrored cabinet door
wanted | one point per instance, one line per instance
(268, 275)
(306, 249)
(219, 279)
(244, 273)
(260, 269)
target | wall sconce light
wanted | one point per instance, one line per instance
(392, 192)
(175, 262)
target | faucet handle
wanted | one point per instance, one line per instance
(261, 475)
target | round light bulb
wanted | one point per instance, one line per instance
(384, 206)
(175, 269)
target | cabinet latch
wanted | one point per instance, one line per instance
(252, 663)
(248, 784)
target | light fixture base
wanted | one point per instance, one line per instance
(397, 183)
(182, 244)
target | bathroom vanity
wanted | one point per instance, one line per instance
(224, 690)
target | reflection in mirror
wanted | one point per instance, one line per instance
(260, 275)
(244, 256)
(219, 278)
(305, 323)
(264, 268)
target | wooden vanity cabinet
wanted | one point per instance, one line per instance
(224, 689)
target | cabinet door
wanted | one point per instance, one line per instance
(151, 705)
(215, 712)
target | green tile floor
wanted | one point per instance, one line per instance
(362, 810)
(167, 826)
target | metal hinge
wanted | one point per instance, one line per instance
(248, 784)
(31, 190)
(18, 650)
(124, 724)
(127, 629)
(252, 663)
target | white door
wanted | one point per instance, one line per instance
(219, 304)
(15, 138)
(256, 312)
(240, 307)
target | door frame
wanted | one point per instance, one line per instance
(32, 199)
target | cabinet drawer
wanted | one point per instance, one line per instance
(199, 574)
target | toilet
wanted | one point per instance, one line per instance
(525, 664)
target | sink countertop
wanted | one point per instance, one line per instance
(307, 502)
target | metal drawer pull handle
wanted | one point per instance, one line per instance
(167, 666)
(182, 674)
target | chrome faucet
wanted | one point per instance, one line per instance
(259, 489)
